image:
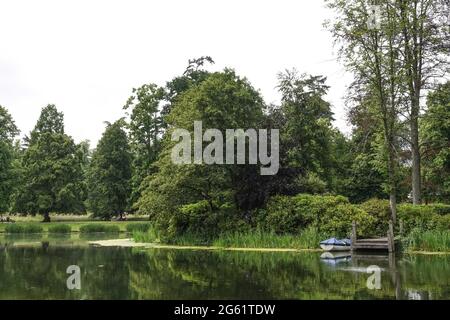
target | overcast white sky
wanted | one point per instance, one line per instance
(86, 56)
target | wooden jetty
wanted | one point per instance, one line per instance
(385, 244)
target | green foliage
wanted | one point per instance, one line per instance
(435, 139)
(205, 221)
(440, 208)
(145, 127)
(14, 228)
(222, 100)
(192, 76)
(307, 132)
(419, 217)
(60, 228)
(52, 172)
(23, 228)
(149, 236)
(109, 173)
(332, 215)
(53, 177)
(422, 217)
(8, 128)
(99, 227)
(50, 121)
(307, 239)
(431, 241)
(139, 227)
(32, 228)
(381, 212)
(8, 178)
(443, 222)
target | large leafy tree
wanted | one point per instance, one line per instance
(50, 121)
(306, 133)
(110, 173)
(435, 141)
(371, 54)
(8, 131)
(309, 160)
(52, 172)
(364, 174)
(193, 75)
(424, 54)
(221, 101)
(145, 130)
(396, 61)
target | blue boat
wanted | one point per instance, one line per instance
(334, 244)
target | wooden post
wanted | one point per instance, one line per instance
(390, 236)
(354, 237)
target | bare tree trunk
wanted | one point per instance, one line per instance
(389, 119)
(393, 198)
(391, 174)
(413, 47)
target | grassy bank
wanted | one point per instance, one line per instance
(68, 224)
(308, 239)
(429, 241)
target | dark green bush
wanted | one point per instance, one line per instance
(420, 217)
(443, 223)
(98, 227)
(199, 220)
(14, 228)
(32, 228)
(381, 212)
(332, 215)
(60, 228)
(141, 227)
(23, 228)
(440, 208)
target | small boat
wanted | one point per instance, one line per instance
(334, 244)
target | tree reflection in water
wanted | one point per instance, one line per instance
(36, 269)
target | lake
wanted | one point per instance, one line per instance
(34, 267)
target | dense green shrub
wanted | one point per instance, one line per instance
(332, 215)
(381, 212)
(141, 227)
(200, 220)
(23, 228)
(421, 217)
(443, 223)
(32, 228)
(60, 228)
(97, 227)
(284, 216)
(440, 208)
(195, 218)
(14, 228)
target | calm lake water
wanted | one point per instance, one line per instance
(35, 268)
